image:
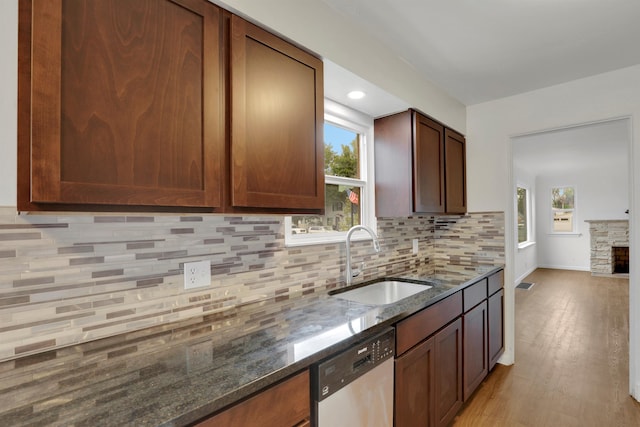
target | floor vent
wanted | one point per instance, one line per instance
(525, 285)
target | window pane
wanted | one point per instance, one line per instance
(563, 221)
(342, 211)
(563, 205)
(562, 197)
(522, 215)
(341, 152)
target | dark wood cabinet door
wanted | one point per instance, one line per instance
(393, 164)
(496, 327)
(414, 384)
(428, 165)
(285, 404)
(124, 103)
(455, 172)
(277, 147)
(476, 366)
(448, 362)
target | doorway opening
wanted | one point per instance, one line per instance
(593, 157)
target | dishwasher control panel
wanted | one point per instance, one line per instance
(345, 367)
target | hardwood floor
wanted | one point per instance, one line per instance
(571, 358)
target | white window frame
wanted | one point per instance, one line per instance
(529, 213)
(574, 217)
(361, 123)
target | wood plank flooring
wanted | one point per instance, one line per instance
(571, 358)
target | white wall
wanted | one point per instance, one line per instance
(490, 127)
(600, 194)
(526, 258)
(8, 100)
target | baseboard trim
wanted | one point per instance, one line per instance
(565, 267)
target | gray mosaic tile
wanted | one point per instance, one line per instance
(19, 236)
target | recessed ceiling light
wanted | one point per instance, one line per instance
(356, 94)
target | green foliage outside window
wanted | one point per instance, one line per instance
(342, 164)
(341, 211)
(523, 220)
(562, 197)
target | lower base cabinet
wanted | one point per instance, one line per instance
(415, 385)
(286, 404)
(448, 377)
(429, 380)
(444, 352)
(475, 339)
(496, 327)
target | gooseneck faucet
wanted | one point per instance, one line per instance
(376, 245)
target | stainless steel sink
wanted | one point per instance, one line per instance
(381, 293)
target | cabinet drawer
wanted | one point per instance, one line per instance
(474, 294)
(496, 282)
(411, 331)
(285, 404)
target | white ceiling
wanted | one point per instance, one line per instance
(338, 82)
(480, 50)
(590, 147)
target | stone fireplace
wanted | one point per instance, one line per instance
(609, 246)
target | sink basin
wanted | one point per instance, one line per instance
(381, 293)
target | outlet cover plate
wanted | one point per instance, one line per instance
(415, 246)
(197, 274)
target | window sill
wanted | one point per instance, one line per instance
(525, 245)
(324, 239)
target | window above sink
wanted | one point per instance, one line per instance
(349, 184)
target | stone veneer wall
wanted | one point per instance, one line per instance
(71, 278)
(604, 235)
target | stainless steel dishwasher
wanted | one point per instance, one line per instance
(355, 387)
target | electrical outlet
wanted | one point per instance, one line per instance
(197, 274)
(415, 246)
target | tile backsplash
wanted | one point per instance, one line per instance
(72, 278)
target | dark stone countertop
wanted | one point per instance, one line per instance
(179, 373)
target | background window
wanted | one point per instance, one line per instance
(523, 215)
(563, 209)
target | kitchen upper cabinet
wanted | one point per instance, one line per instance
(420, 166)
(164, 105)
(120, 103)
(455, 172)
(277, 147)
(286, 404)
(428, 165)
